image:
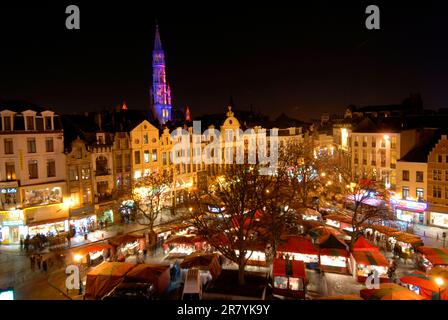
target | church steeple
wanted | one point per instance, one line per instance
(160, 89)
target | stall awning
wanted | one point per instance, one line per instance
(389, 291)
(363, 245)
(298, 244)
(334, 252)
(370, 258)
(93, 248)
(126, 238)
(436, 256)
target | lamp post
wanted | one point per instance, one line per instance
(78, 260)
(439, 282)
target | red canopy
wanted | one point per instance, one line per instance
(298, 268)
(93, 248)
(369, 258)
(298, 244)
(363, 245)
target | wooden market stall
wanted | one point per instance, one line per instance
(299, 248)
(93, 254)
(289, 278)
(207, 263)
(424, 285)
(156, 274)
(333, 253)
(127, 245)
(363, 262)
(430, 257)
(103, 278)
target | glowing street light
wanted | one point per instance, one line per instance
(78, 258)
(439, 281)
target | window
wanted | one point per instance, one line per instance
(137, 157)
(419, 193)
(118, 163)
(364, 142)
(439, 158)
(154, 154)
(49, 147)
(145, 139)
(7, 123)
(146, 156)
(393, 159)
(33, 169)
(9, 148)
(405, 175)
(446, 192)
(405, 192)
(383, 143)
(85, 173)
(10, 171)
(393, 142)
(446, 175)
(437, 175)
(47, 122)
(374, 143)
(73, 172)
(78, 153)
(419, 176)
(127, 162)
(164, 158)
(31, 144)
(355, 143)
(51, 168)
(29, 123)
(437, 192)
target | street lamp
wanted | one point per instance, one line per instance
(439, 282)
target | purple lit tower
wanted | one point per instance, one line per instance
(160, 89)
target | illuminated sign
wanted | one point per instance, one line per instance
(409, 205)
(8, 190)
(215, 209)
(7, 294)
(12, 223)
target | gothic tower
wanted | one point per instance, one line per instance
(160, 89)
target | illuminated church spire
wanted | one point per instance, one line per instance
(160, 88)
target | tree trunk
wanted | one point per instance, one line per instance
(241, 266)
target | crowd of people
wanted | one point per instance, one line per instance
(37, 242)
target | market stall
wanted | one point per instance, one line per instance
(257, 255)
(207, 264)
(127, 245)
(389, 291)
(156, 274)
(339, 221)
(424, 285)
(333, 252)
(299, 248)
(430, 257)
(185, 244)
(102, 279)
(289, 278)
(319, 232)
(362, 263)
(93, 254)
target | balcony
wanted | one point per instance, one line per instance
(103, 197)
(102, 172)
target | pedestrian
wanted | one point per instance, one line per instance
(172, 273)
(33, 262)
(44, 265)
(39, 261)
(21, 243)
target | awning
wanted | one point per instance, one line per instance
(436, 256)
(363, 245)
(93, 248)
(298, 244)
(48, 221)
(298, 268)
(370, 258)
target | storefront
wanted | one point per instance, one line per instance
(438, 219)
(12, 227)
(82, 220)
(106, 216)
(410, 212)
(48, 228)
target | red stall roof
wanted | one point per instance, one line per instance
(334, 252)
(298, 268)
(363, 245)
(298, 244)
(369, 258)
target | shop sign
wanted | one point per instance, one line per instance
(11, 223)
(409, 205)
(8, 190)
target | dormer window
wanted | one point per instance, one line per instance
(7, 123)
(48, 123)
(29, 122)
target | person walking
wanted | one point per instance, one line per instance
(44, 265)
(39, 261)
(33, 262)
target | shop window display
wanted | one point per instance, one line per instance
(42, 196)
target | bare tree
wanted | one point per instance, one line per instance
(150, 195)
(370, 206)
(237, 195)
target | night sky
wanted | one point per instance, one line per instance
(287, 57)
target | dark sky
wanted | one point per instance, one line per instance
(290, 57)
